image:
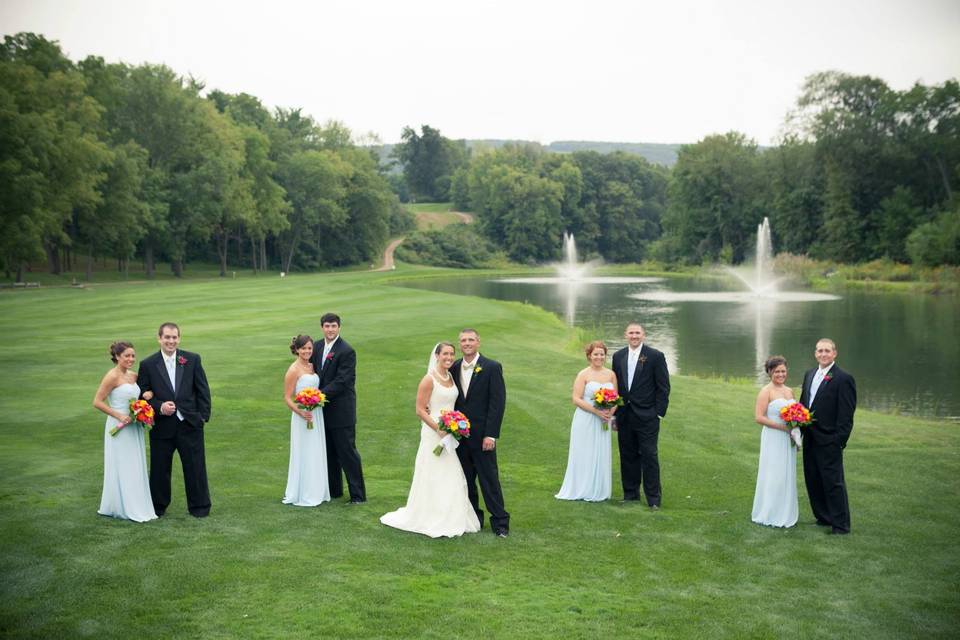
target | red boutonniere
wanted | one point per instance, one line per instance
(329, 356)
(181, 361)
(827, 378)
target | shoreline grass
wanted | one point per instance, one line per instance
(260, 569)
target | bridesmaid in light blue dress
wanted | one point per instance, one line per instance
(775, 499)
(307, 481)
(589, 473)
(126, 487)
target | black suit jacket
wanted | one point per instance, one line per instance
(650, 394)
(338, 377)
(833, 406)
(192, 396)
(485, 401)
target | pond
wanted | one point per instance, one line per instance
(901, 348)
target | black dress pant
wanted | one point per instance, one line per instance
(187, 441)
(637, 439)
(481, 464)
(342, 456)
(826, 487)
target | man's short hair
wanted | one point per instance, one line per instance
(330, 317)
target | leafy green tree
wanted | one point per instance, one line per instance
(429, 162)
(51, 161)
(715, 197)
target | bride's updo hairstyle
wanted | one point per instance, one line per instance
(298, 343)
(773, 362)
(593, 346)
(441, 345)
(117, 348)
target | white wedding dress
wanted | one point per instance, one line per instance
(775, 500)
(126, 488)
(307, 482)
(437, 505)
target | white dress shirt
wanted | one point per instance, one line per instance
(327, 346)
(466, 373)
(171, 364)
(817, 381)
(632, 359)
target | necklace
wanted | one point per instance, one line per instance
(445, 378)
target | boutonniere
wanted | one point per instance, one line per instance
(329, 356)
(642, 359)
(827, 378)
(477, 369)
(181, 361)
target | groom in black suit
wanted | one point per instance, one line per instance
(482, 397)
(335, 362)
(181, 403)
(644, 384)
(831, 395)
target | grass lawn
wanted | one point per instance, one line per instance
(259, 569)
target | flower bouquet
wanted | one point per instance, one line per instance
(309, 399)
(607, 398)
(795, 415)
(456, 425)
(142, 414)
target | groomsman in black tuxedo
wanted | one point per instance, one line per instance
(335, 362)
(644, 384)
(482, 397)
(831, 394)
(181, 403)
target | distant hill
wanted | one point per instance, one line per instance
(664, 154)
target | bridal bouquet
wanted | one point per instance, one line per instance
(142, 413)
(606, 398)
(456, 425)
(796, 415)
(309, 399)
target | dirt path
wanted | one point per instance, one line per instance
(388, 255)
(388, 263)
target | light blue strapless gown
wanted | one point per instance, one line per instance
(589, 473)
(775, 500)
(307, 481)
(126, 487)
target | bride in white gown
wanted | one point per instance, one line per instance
(437, 504)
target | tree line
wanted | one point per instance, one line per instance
(126, 162)
(120, 161)
(863, 172)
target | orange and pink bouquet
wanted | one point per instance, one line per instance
(606, 398)
(454, 423)
(796, 415)
(309, 399)
(142, 414)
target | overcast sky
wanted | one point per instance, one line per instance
(627, 71)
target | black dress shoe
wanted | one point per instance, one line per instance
(838, 532)
(502, 533)
(357, 501)
(822, 523)
(630, 499)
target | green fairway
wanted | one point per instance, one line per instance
(259, 569)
